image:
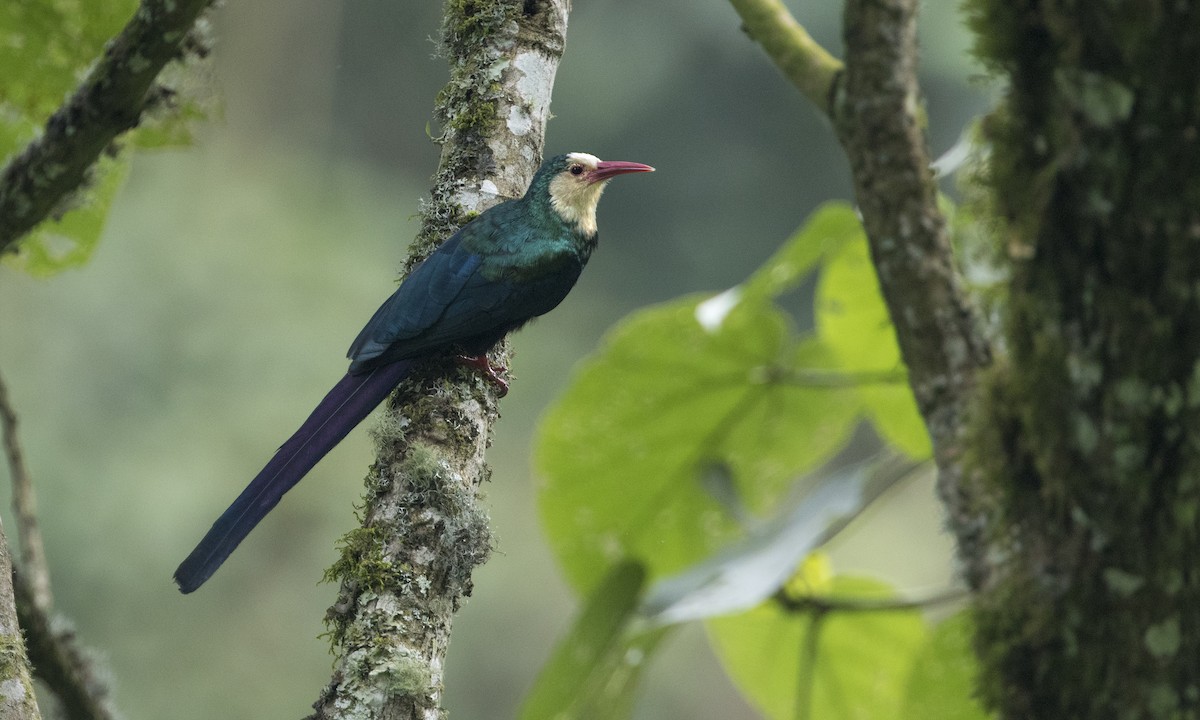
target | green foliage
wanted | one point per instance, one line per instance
(806, 663)
(728, 382)
(942, 683)
(695, 381)
(595, 669)
(853, 321)
(46, 49)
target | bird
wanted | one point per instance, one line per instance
(510, 264)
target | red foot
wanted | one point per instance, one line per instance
(491, 372)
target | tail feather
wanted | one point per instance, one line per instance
(344, 407)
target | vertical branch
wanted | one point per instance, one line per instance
(405, 572)
(874, 102)
(17, 701)
(877, 116)
(33, 551)
(16, 686)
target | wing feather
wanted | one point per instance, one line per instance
(456, 296)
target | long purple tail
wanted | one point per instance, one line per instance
(344, 407)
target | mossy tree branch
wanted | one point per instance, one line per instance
(406, 571)
(17, 701)
(108, 103)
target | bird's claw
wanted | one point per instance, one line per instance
(489, 371)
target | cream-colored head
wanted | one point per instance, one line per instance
(575, 189)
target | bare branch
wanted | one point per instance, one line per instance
(822, 605)
(803, 62)
(875, 106)
(61, 662)
(877, 116)
(108, 103)
(56, 658)
(33, 551)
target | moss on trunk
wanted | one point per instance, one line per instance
(1089, 434)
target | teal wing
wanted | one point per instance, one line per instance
(477, 286)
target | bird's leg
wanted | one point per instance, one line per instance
(490, 371)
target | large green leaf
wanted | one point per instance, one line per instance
(942, 683)
(47, 45)
(829, 228)
(595, 669)
(687, 384)
(844, 665)
(853, 321)
(623, 450)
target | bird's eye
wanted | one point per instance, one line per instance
(576, 169)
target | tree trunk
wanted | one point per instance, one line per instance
(1086, 438)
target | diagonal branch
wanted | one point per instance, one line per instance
(803, 62)
(62, 662)
(108, 103)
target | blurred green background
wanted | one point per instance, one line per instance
(153, 383)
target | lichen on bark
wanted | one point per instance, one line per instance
(406, 571)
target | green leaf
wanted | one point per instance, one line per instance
(942, 684)
(845, 665)
(595, 669)
(47, 47)
(622, 451)
(827, 229)
(853, 322)
(67, 243)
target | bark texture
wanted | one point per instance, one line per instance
(17, 701)
(407, 570)
(877, 114)
(1088, 435)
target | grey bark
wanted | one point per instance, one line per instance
(407, 570)
(877, 114)
(17, 701)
